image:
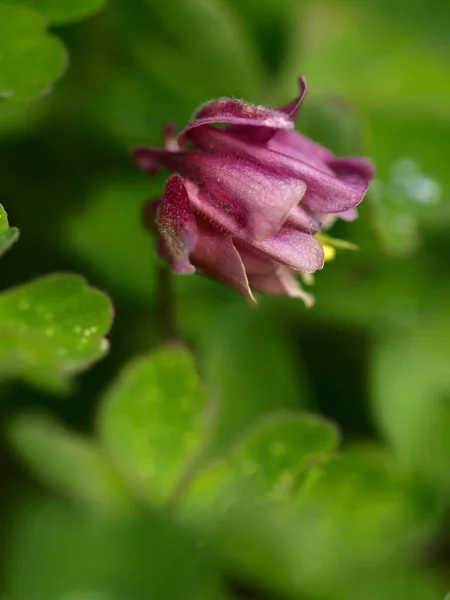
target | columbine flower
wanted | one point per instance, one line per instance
(246, 200)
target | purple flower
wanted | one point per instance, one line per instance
(246, 200)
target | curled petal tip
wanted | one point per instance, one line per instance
(293, 107)
(148, 159)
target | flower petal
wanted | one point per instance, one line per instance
(177, 226)
(298, 146)
(348, 215)
(216, 255)
(353, 165)
(326, 190)
(259, 198)
(301, 251)
(148, 159)
(282, 283)
(300, 219)
(298, 250)
(255, 263)
(294, 105)
(237, 112)
(261, 135)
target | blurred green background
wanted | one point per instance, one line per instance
(373, 355)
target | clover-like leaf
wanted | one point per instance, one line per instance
(66, 461)
(51, 328)
(357, 510)
(8, 235)
(58, 12)
(274, 459)
(151, 421)
(30, 58)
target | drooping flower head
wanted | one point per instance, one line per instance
(247, 199)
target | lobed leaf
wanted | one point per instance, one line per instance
(151, 420)
(30, 58)
(275, 459)
(52, 328)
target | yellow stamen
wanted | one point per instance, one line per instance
(329, 252)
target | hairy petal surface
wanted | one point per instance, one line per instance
(176, 225)
(261, 135)
(237, 112)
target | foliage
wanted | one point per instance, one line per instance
(270, 452)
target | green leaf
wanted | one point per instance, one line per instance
(72, 464)
(411, 397)
(52, 328)
(58, 12)
(56, 551)
(109, 234)
(355, 511)
(30, 59)
(152, 422)
(275, 459)
(364, 488)
(8, 235)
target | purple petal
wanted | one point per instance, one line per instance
(148, 159)
(281, 283)
(261, 135)
(356, 166)
(300, 251)
(170, 138)
(300, 219)
(237, 112)
(348, 215)
(216, 255)
(326, 191)
(261, 199)
(293, 106)
(298, 146)
(177, 226)
(255, 263)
